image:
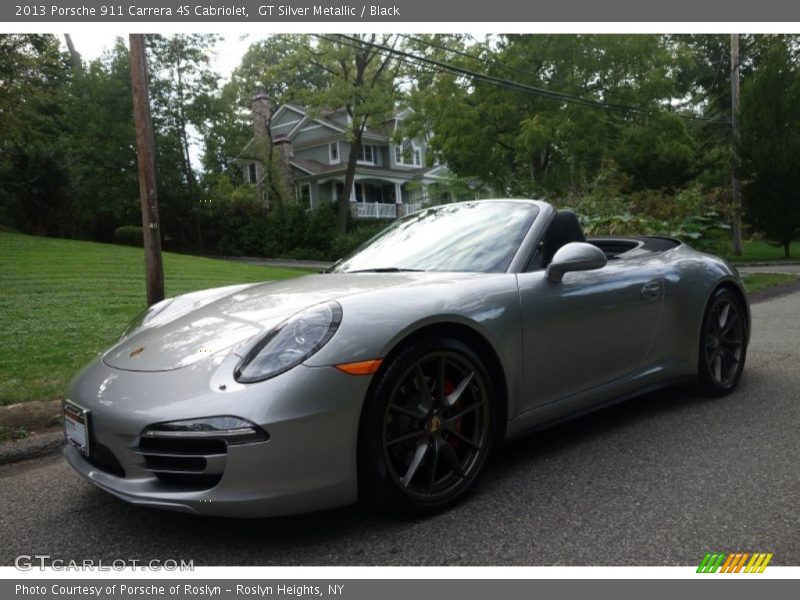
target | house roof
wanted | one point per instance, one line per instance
(315, 168)
(329, 118)
(322, 118)
(381, 132)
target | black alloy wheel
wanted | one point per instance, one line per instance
(429, 427)
(723, 343)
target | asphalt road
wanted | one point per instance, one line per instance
(659, 480)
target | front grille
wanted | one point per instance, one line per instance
(188, 463)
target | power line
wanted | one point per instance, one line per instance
(411, 58)
(487, 61)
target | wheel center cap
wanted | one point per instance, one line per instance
(435, 424)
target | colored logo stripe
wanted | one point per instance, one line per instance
(734, 562)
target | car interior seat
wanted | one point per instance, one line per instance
(563, 229)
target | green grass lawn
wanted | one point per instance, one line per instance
(63, 301)
(762, 251)
(757, 282)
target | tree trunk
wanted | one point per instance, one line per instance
(736, 187)
(349, 180)
(190, 183)
(787, 249)
(187, 164)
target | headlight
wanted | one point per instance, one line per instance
(290, 343)
(232, 429)
(145, 317)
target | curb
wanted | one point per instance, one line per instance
(36, 445)
(33, 415)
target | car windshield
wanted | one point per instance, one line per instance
(478, 237)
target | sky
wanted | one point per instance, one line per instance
(229, 50)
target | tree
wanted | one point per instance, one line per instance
(526, 143)
(32, 75)
(363, 80)
(269, 69)
(101, 147)
(183, 89)
(657, 152)
(770, 143)
(34, 181)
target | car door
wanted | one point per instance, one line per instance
(591, 329)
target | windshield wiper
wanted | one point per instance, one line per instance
(386, 270)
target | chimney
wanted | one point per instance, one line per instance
(285, 155)
(261, 108)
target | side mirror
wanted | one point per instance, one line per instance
(575, 256)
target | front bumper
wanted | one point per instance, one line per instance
(308, 463)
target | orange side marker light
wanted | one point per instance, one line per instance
(364, 367)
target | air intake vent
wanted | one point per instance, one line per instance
(189, 463)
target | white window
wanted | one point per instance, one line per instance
(333, 151)
(407, 153)
(366, 154)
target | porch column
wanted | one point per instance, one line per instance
(398, 193)
(353, 192)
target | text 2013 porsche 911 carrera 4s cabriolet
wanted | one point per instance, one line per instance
(391, 376)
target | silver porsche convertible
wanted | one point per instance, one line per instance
(390, 377)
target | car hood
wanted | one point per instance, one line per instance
(195, 326)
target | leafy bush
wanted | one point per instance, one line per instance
(361, 232)
(691, 214)
(236, 222)
(705, 232)
(129, 235)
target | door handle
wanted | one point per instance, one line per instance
(651, 289)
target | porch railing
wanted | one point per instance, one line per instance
(376, 210)
(381, 210)
(405, 209)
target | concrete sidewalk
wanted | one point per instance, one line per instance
(789, 268)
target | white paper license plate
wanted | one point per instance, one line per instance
(76, 426)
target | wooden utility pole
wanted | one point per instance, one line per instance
(736, 187)
(145, 151)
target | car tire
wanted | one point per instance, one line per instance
(427, 427)
(723, 343)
